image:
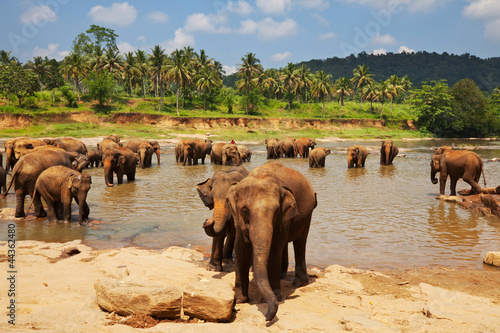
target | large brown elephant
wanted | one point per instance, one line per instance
(95, 157)
(145, 153)
(156, 147)
(30, 166)
(185, 151)
(58, 185)
(356, 156)
(273, 148)
(106, 144)
(121, 161)
(213, 194)
(202, 149)
(225, 154)
(18, 147)
(68, 144)
(272, 206)
(302, 146)
(245, 152)
(457, 164)
(388, 152)
(317, 157)
(287, 147)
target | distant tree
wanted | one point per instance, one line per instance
(6, 59)
(141, 60)
(395, 87)
(113, 60)
(131, 73)
(156, 58)
(385, 90)
(15, 80)
(290, 79)
(371, 92)
(361, 78)
(74, 67)
(433, 107)
(342, 88)
(250, 69)
(96, 37)
(178, 72)
(228, 97)
(207, 80)
(40, 68)
(100, 86)
(321, 87)
(304, 80)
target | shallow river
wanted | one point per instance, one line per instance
(372, 217)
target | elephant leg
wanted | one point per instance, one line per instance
(453, 185)
(119, 176)
(227, 252)
(299, 248)
(52, 209)
(67, 210)
(131, 176)
(243, 260)
(37, 202)
(215, 263)
(274, 266)
(475, 188)
(20, 203)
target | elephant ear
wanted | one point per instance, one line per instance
(288, 204)
(70, 180)
(204, 190)
(121, 159)
(231, 206)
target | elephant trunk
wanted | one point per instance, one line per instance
(141, 160)
(157, 152)
(108, 174)
(261, 243)
(433, 176)
(216, 225)
(81, 207)
(387, 154)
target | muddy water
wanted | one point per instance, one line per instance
(372, 217)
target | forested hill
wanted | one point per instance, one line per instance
(420, 66)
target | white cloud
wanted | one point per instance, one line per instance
(141, 38)
(120, 14)
(158, 16)
(125, 47)
(211, 23)
(50, 52)
(321, 20)
(396, 6)
(241, 7)
(379, 52)
(281, 56)
(38, 14)
(314, 4)
(487, 11)
(229, 69)
(274, 6)
(328, 35)
(180, 40)
(383, 39)
(268, 28)
(405, 49)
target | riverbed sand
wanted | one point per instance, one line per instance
(55, 293)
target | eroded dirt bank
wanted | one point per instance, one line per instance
(20, 121)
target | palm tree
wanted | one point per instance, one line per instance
(361, 77)
(141, 60)
(290, 79)
(6, 59)
(131, 73)
(395, 86)
(40, 68)
(406, 83)
(384, 91)
(113, 60)
(157, 57)
(268, 80)
(206, 80)
(342, 88)
(218, 69)
(304, 79)
(321, 87)
(178, 72)
(249, 69)
(370, 92)
(74, 66)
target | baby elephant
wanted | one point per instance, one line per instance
(317, 157)
(58, 185)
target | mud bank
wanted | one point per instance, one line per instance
(123, 118)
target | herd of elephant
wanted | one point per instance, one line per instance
(255, 213)
(52, 169)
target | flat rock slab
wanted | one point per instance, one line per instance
(492, 258)
(162, 287)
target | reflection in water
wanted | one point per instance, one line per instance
(371, 217)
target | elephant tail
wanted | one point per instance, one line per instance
(484, 178)
(31, 203)
(12, 179)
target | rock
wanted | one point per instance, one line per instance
(492, 258)
(162, 287)
(449, 198)
(492, 202)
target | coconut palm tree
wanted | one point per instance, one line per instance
(178, 72)
(74, 67)
(206, 80)
(218, 68)
(371, 93)
(290, 80)
(6, 59)
(406, 84)
(250, 68)
(384, 91)
(131, 74)
(342, 88)
(40, 68)
(113, 60)
(395, 86)
(361, 77)
(304, 79)
(157, 57)
(141, 60)
(321, 87)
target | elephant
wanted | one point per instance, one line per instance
(30, 166)
(113, 137)
(388, 152)
(442, 150)
(3, 180)
(245, 152)
(156, 149)
(317, 157)
(356, 156)
(185, 151)
(302, 146)
(95, 157)
(107, 144)
(121, 161)
(23, 151)
(457, 164)
(270, 207)
(133, 144)
(202, 149)
(213, 194)
(68, 144)
(58, 185)
(273, 148)
(145, 152)
(13, 149)
(225, 154)
(287, 148)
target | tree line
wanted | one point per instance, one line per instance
(97, 68)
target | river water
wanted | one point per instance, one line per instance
(372, 217)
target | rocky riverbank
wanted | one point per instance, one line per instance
(56, 292)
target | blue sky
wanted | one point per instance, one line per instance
(277, 31)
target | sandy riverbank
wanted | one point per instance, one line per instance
(55, 293)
